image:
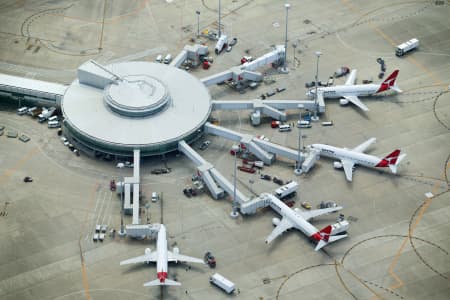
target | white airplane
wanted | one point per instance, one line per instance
(161, 256)
(299, 219)
(350, 92)
(351, 157)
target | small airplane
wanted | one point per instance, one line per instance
(296, 218)
(350, 91)
(161, 256)
(350, 157)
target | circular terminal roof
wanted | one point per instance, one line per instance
(149, 106)
(137, 95)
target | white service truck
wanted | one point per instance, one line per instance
(404, 48)
(286, 190)
(222, 282)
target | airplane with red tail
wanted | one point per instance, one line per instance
(356, 156)
(349, 92)
(297, 218)
(162, 256)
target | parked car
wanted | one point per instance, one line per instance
(342, 71)
(205, 145)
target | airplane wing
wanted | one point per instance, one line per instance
(284, 225)
(362, 148)
(179, 257)
(307, 215)
(320, 100)
(355, 100)
(140, 259)
(348, 168)
(351, 78)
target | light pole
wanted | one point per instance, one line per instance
(298, 167)
(315, 117)
(285, 68)
(198, 22)
(122, 230)
(219, 22)
(234, 214)
(294, 46)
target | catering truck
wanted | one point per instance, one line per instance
(222, 282)
(404, 48)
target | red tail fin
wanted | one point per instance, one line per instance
(390, 159)
(325, 233)
(390, 81)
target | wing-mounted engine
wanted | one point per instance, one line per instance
(337, 165)
(276, 221)
(148, 251)
(176, 250)
(343, 101)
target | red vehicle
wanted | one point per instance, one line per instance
(210, 260)
(112, 185)
(246, 169)
(206, 65)
(275, 124)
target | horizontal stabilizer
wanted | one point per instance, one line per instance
(396, 88)
(322, 243)
(393, 167)
(156, 282)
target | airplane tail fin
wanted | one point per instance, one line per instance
(156, 282)
(393, 165)
(389, 83)
(326, 237)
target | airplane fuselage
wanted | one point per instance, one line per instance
(340, 91)
(346, 154)
(286, 212)
(161, 262)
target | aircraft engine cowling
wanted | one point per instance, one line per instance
(297, 209)
(148, 250)
(176, 250)
(276, 221)
(343, 101)
(337, 165)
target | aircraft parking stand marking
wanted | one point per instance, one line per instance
(436, 186)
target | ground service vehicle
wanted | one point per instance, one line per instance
(404, 48)
(285, 127)
(155, 196)
(159, 58)
(210, 259)
(222, 282)
(168, 59)
(22, 110)
(287, 190)
(54, 124)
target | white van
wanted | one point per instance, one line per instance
(168, 59)
(22, 110)
(53, 124)
(53, 118)
(222, 282)
(155, 196)
(285, 127)
(159, 58)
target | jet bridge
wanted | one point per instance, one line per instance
(271, 108)
(189, 52)
(246, 139)
(210, 175)
(246, 71)
(203, 167)
(262, 149)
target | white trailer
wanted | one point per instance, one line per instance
(404, 48)
(222, 282)
(286, 190)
